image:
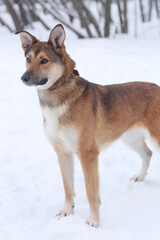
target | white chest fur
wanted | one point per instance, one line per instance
(56, 133)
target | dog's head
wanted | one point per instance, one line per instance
(46, 62)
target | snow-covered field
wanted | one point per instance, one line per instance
(31, 190)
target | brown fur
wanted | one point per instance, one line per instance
(99, 114)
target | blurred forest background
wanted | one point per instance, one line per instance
(86, 18)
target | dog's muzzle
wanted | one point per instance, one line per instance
(26, 79)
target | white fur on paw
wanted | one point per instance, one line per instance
(137, 178)
(65, 212)
(92, 222)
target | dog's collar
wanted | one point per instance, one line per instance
(75, 72)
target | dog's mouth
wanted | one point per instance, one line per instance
(43, 81)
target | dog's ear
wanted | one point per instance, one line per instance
(57, 37)
(27, 40)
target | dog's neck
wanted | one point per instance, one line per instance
(68, 73)
(63, 80)
(61, 92)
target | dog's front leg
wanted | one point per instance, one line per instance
(67, 170)
(89, 162)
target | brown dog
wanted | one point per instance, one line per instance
(81, 117)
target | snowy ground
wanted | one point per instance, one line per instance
(31, 190)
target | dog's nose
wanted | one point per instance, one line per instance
(26, 77)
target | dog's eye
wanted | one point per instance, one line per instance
(43, 61)
(28, 60)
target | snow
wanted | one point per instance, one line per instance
(31, 189)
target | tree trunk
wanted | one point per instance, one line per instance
(142, 10)
(14, 15)
(157, 8)
(23, 13)
(91, 18)
(83, 18)
(125, 27)
(107, 7)
(120, 14)
(150, 10)
(135, 19)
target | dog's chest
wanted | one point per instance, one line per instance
(56, 132)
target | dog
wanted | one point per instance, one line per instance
(82, 118)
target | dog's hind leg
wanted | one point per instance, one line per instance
(145, 154)
(66, 163)
(134, 139)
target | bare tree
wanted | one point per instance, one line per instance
(125, 27)
(12, 12)
(150, 10)
(135, 19)
(55, 15)
(157, 8)
(142, 10)
(107, 7)
(89, 23)
(122, 9)
(120, 14)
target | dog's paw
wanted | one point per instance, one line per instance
(67, 210)
(63, 214)
(92, 222)
(137, 178)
